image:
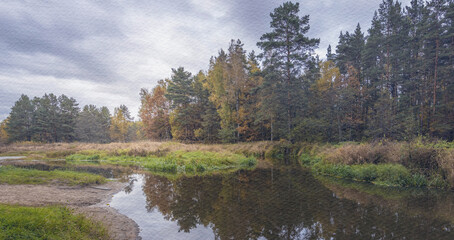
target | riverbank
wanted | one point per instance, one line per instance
(406, 164)
(160, 157)
(15, 175)
(90, 201)
(418, 163)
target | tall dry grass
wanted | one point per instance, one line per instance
(364, 153)
(423, 157)
(446, 161)
(141, 148)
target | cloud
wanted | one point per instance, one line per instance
(103, 52)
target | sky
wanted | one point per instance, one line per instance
(104, 52)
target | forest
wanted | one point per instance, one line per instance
(393, 81)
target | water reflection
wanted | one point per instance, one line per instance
(278, 204)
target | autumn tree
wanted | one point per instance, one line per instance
(209, 127)
(3, 133)
(216, 84)
(154, 112)
(119, 124)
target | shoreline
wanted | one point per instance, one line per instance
(92, 202)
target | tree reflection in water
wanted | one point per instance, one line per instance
(287, 204)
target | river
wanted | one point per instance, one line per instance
(286, 203)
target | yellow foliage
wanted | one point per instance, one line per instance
(330, 76)
(118, 126)
(3, 133)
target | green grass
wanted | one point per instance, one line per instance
(175, 162)
(18, 222)
(380, 174)
(13, 175)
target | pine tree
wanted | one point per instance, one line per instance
(68, 112)
(183, 119)
(92, 124)
(46, 118)
(19, 126)
(445, 118)
(330, 56)
(288, 51)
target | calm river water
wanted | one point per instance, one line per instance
(282, 204)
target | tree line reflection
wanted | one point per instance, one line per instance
(287, 204)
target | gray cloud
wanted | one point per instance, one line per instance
(37, 33)
(103, 52)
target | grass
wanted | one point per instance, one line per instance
(53, 222)
(387, 174)
(13, 175)
(173, 162)
(426, 163)
(159, 157)
(142, 148)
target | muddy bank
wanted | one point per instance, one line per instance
(91, 201)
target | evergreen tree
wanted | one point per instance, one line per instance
(183, 119)
(250, 129)
(288, 51)
(46, 118)
(20, 124)
(330, 56)
(92, 124)
(68, 112)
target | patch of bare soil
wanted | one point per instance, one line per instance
(92, 201)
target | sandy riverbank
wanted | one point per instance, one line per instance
(92, 201)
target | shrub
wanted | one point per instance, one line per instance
(249, 162)
(421, 157)
(59, 154)
(283, 151)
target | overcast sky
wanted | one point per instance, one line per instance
(104, 52)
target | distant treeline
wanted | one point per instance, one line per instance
(59, 119)
(395, 82)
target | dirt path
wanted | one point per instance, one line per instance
(90, 201)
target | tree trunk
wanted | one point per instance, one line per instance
(435, 78)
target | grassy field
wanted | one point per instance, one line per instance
(13, 175)
(46, 223)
